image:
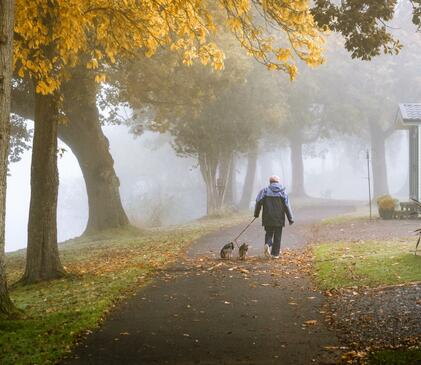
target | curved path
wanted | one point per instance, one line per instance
(198, 314)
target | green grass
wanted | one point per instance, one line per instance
(346, 218)
(367, 263)
(395, 357)
(103, 269)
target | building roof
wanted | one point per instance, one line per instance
(409, 114)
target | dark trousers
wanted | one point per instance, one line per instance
(273, 239)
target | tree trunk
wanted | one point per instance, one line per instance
(378, 155)
(6, 36)
(249, 180)
(231, 183)
(225, 176)
(42, 257)
(297, 167)
(83, 134)
(208, 171)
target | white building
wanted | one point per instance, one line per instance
(409, 117)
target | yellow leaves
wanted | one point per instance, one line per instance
(52, 35)
(100, 78)
(47, 86)
(92, 64)
(234, 24)
(272, 67)
(283, 54)
(21, 72)
(293, 19)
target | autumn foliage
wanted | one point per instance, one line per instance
(51, 35)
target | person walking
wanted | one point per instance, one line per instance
(275, 203)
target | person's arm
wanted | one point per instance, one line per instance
(259, 203)
(288, 210)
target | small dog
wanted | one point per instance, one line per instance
(226, 251)
(243, 251)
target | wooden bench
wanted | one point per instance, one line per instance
(408, 210)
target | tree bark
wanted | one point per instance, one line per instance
(42, 257)
(231, 184)
(83, 134)
(226, 176)
(208, 169)
(6, 37)
(378, 155)
(249, 180)
(297, 166)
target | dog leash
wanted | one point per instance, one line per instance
(248, 225)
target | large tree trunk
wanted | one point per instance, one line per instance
(249, 180)
(6, 37)
(297, 166)
(378, 155)
(42, 257)
(83, 134)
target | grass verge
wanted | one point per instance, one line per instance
(369, 263)
(395, 357)
(103, 270)
(366, 263)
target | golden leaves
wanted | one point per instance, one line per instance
(52, 35)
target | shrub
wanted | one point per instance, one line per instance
(386, 205)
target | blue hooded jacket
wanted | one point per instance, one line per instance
(275, 203)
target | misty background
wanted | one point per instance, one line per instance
(159, 187)
(153, 178)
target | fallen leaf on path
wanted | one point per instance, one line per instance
(311, 322)
(124, 333)
(214, 267)
(330, 348)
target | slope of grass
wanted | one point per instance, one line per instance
(368, 263)
(103, 269)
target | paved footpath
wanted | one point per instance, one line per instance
(201, 311)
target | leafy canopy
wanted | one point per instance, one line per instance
(51, 35)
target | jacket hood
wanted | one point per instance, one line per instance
(273, 190)
(277, 188)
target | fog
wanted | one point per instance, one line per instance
(338, 112)
(159, 188)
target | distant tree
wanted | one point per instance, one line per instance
(20, 137)
(6, 39)
(367, 106)
(302, 123)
